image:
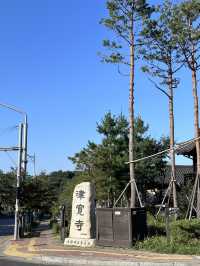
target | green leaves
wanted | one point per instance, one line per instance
(114, 58)
(7, 190)
(122, 15)
(186, 29)
(43, 191)
(111, 44)
(160, 51)
(104, 163)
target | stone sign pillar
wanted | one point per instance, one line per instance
(82, 228)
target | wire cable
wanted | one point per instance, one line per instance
(7, 130)
(11, 159)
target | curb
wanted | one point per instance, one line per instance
(77, 261)
(52, 260)
(31, 254)
(12, 252)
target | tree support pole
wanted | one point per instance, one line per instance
(196, 184)
(122, 193)
(167, 192)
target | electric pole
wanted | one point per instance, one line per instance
(19, 172)
(24, 154)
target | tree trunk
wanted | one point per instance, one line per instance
(172, 154)
(131, 114)
(196, 126)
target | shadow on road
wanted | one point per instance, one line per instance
(6, 262)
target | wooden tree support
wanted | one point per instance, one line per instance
(168, 193)
(126, 187)
(191, 207)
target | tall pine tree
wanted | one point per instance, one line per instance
(163, 60)
(186, 28)
(124, 21)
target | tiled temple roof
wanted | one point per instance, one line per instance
(182, 172)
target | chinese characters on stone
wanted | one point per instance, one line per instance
(80, 194)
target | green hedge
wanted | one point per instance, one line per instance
(184, 237)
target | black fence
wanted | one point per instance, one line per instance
(120, 226)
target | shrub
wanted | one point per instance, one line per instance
(155, 226)
(55, 228)
(185, 230)
(184, 237)
(160, 244)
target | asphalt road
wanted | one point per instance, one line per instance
(6, 226)
(6, 229)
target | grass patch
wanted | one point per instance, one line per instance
(161, 245)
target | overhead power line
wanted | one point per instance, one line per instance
(11, 158)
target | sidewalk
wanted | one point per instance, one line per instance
(45, 248)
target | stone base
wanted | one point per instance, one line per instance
(79, 242)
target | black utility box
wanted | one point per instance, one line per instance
(120, 227)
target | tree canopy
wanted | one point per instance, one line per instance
(105, 163)
(36, 193)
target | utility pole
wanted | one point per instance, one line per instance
(62, 222)
(25, 134)
(22, 160)
(19, 172)
(34, 168)
(24, 154)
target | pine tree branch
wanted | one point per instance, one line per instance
(154, 66)
(118, 31)
(178, 68)
(196, 61)
(124, 10)
(140, 44)
(160, 89)
(187, 60)
(119, 71)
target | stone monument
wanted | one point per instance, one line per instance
(82, 227)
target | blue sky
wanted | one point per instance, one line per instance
(49, 67)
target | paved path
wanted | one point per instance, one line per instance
(46, 248)
(6, 231)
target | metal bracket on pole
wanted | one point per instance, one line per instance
(9, 149)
